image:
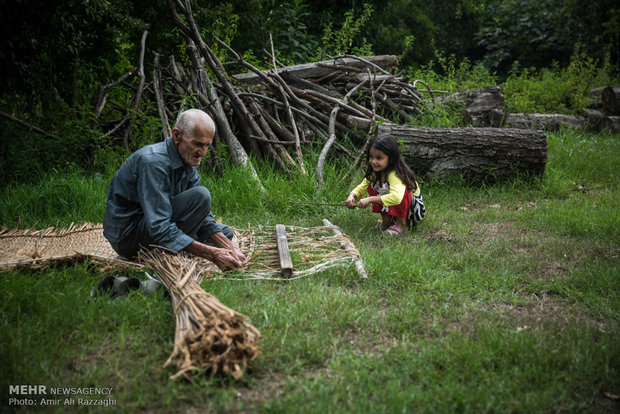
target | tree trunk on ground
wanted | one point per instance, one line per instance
(486, 107)
(548, 122)
(611, 100)
(319, 69)
(482, 154)
(611, 124)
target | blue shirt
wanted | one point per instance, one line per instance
(143, 188)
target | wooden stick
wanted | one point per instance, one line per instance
(27, 125)
(193, 33)
(328, 144)
(289, 112)
(371, 127)
(102, 95)
(350, 247)
(138, 97)
(319, 204)
(163, 116)
(284, 255)
(239, 60)
(279, 154)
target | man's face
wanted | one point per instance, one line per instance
(192, 146)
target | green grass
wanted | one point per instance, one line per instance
(506, 298)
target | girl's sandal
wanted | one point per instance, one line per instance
(393, 231)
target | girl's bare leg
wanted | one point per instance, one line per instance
(387, 220)
(401, 222)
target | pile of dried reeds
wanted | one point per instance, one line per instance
(209, 335)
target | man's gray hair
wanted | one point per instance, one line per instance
(187, 119)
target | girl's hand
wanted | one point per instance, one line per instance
(350, 203)
(363, 203)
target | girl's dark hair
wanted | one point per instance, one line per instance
(387, 144)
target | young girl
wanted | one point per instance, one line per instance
(392, 188)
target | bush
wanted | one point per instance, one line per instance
(453, 76)
(555, 89)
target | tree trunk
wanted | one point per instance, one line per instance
(319, 69)
(482, 154)
(611, 100)
(548, 122)
(486, 107)
(611, 124)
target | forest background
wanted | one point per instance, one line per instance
(55, 55)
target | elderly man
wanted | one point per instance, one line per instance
(156, 198)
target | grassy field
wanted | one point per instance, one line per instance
(506, 298)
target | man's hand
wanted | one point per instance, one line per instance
(220, 240)
(223, 253)
(238, 254)
(225, 259)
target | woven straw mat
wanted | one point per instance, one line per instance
(39, 248)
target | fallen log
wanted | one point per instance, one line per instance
(595, 98)
(319, 69)
(356, 122)
(486, 107)
(610, 97)
(548, 122)
(481, 154)
(611, 124)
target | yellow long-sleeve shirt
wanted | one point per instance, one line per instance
(395, 186)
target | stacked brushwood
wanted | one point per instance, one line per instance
(209, 336)
(274, 110)
(275, 113)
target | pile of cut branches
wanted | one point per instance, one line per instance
(208, 334)
(274, 113)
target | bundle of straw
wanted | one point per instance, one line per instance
(208, 334)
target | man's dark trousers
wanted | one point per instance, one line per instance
(189, 209)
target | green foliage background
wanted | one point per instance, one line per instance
(54, 55)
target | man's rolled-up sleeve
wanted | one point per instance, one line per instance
(208, 227)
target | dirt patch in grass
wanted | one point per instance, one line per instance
(440, 235)
(606, 402)
(531, 252)
(536, 313)
(488, 232)
(267, 388)
(544, 309)
(366, 342)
